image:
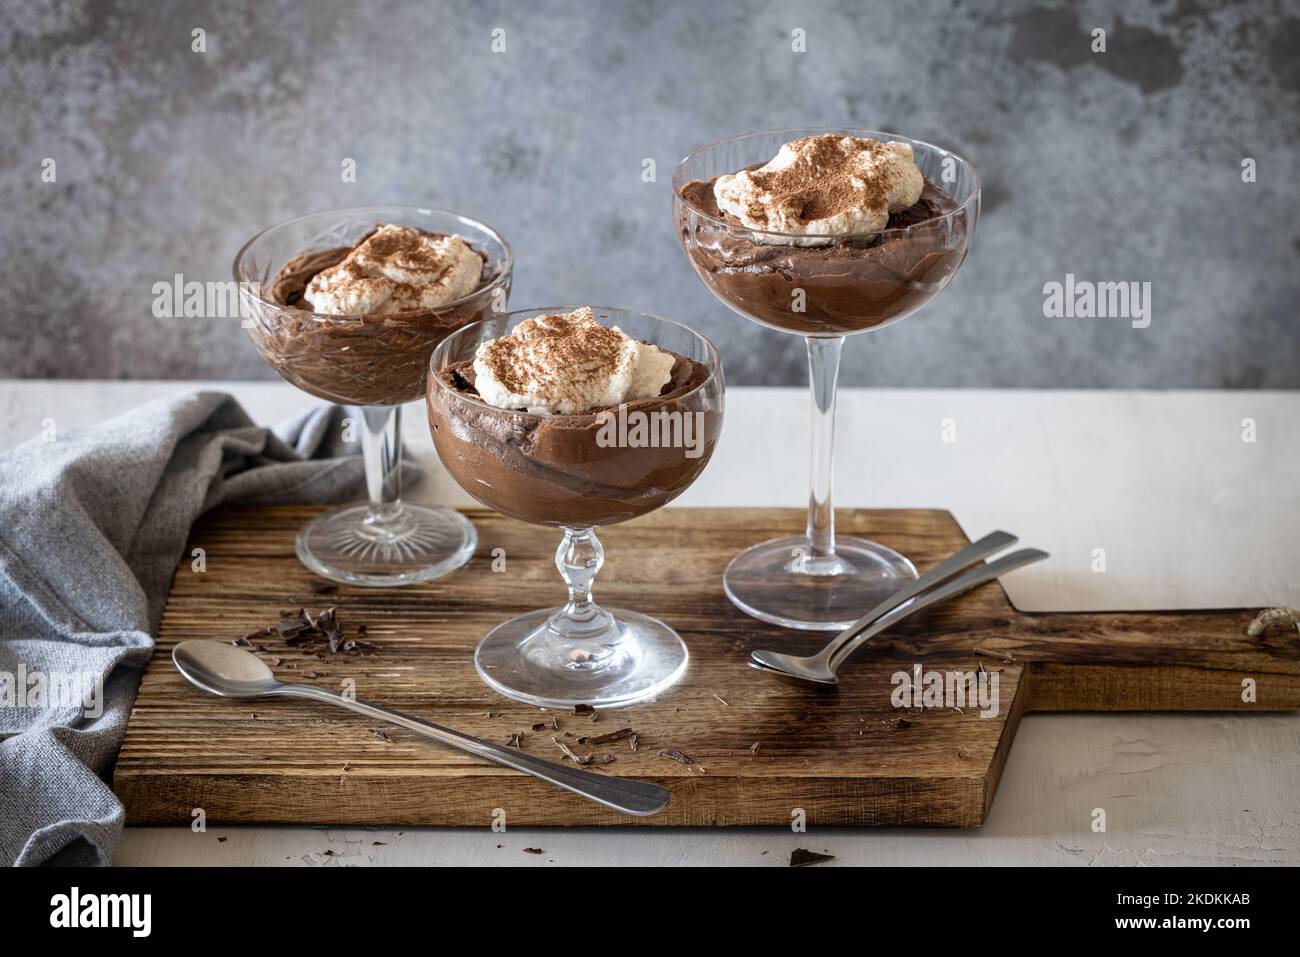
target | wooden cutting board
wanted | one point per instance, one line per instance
(761, 746)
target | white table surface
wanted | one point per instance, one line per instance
(1189, 515)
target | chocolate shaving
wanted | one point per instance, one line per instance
(633, 740)
(299, 628)
(606, 738)
(802, 857)
(380, 733)
(292, 624)
(516, 740)
(753, 748)
(532, 850)
(583, 709)
(328, 623)
(678, 755)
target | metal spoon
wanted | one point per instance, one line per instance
(822, 667)
(231, 672)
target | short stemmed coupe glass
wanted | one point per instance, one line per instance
(374, 363)
(579, 473)
(825, 289)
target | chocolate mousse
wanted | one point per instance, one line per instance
(834, 235)
(585, 464)
(357, 324)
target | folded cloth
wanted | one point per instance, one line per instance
(92, 525)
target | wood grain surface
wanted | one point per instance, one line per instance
(763, 748)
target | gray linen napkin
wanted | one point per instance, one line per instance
(92, 525)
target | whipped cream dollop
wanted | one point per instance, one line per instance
(566, 364)
(394, 269)
(818, 186)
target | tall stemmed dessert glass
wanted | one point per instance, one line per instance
(348, 305)
(577, 419)
(838, 235)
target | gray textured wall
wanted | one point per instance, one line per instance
(1116, 166)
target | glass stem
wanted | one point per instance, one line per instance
(579, 558)
(823, 376)
(381, 449)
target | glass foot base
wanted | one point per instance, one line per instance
(412, 544)
(778, 582)
(634, 658)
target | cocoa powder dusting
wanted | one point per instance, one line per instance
(821, 182)
(572, 341)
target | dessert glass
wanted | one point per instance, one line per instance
(374, 363)
(555, 470)
(823, 290)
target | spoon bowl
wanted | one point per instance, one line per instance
(223, 669)
(811, 668)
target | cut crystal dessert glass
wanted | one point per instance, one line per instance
(373, 363)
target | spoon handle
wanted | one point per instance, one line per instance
(976, 576)
(948, 568)
(639, 798)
